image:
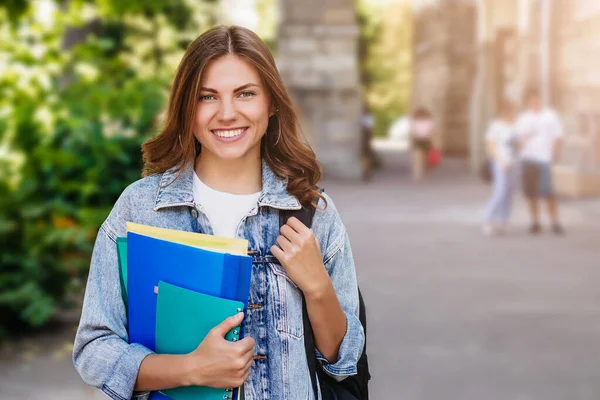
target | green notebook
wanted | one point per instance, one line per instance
(183, 319)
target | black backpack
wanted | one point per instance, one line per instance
(353, 387)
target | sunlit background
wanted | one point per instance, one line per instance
(453, 314)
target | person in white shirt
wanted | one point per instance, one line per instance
(502, 147)
(541, 133)
(224, 210)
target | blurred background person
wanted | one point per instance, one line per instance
(502, 149)
(422, 129)
(369, 157)
(541, 134)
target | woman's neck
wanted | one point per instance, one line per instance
(242, 176)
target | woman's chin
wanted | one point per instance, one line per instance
(232, 152)
(234, 155)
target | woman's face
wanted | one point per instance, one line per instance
(233, 110)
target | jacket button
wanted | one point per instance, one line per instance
(194, 213)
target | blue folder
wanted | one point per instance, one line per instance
(150, 260)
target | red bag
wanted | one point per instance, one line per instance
(434, 157)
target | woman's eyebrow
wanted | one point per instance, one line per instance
(246, 86)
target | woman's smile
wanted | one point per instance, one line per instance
(229, 135)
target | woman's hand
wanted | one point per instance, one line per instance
(219, 363)
(299, 252)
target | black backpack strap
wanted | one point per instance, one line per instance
(305, 215)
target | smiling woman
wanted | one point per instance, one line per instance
(228, 160)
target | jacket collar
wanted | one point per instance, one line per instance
(176, 189)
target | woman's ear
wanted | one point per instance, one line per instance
(272, 110)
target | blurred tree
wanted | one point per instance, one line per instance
(269, 18)
(385, 48)
(14, 9)
(82, 83)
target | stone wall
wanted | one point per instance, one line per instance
(444, 51)
(317, 57)
(461, 58)
(431, 70)
(576, 94)
(576, 58)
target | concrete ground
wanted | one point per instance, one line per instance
(452, 314)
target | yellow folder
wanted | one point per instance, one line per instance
(207, 242)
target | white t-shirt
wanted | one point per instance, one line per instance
(224, 210)
(503, 135)
(539, 131)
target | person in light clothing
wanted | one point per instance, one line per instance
(422, 131)
(502, 145)
(541, 133)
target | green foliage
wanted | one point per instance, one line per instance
(73, 114)
(385, 47)
(14, 9)
(267, 29)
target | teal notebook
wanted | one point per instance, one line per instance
(122, 252)
(183, 319)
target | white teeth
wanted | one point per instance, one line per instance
(229, 134)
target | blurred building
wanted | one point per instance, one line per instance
(471, 54)
(317, 56)
(443, 67)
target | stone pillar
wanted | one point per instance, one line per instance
(444, 58)
(317, 56)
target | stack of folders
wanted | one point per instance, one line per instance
(177, 286)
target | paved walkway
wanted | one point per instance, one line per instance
(453, 315)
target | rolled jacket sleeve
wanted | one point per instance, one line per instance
(101, 354)
(340, 265)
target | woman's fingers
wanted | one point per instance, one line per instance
(289, 233)
(296, 225)
(284, 244)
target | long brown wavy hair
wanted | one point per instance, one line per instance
(283, 150)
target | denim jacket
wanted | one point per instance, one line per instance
(105, 359)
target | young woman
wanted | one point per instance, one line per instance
(227, 161)
(502, 148)
(422, 129)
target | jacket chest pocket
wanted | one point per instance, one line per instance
(287, 301)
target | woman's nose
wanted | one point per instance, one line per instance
(227, 111)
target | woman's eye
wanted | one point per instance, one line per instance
(206, 97)
(247, 94)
